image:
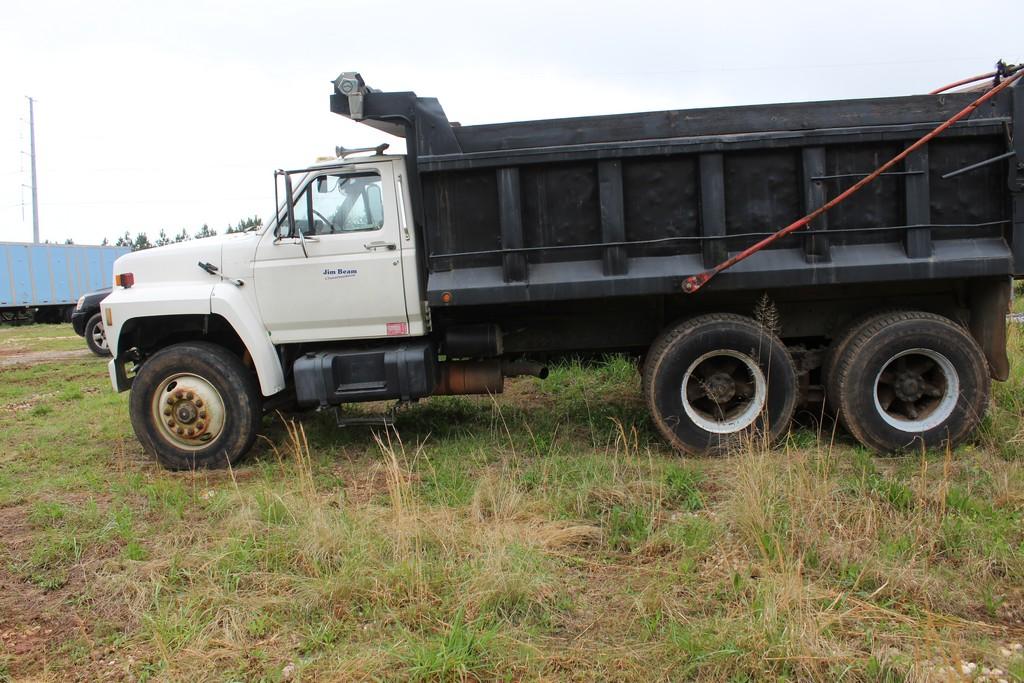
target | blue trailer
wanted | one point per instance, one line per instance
(45, 280)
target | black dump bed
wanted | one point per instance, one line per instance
(632, 204)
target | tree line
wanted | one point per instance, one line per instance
(142, 241)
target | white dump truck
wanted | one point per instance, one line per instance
(487, 250)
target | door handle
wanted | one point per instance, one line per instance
(390, 246)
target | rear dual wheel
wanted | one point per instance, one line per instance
(714, 382)
(904, 379)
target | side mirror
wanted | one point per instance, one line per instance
(290, 211)
(290, 204)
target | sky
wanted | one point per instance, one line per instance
(169, 115)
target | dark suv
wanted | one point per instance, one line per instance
(88, 322)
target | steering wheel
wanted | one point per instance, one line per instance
(324, 219)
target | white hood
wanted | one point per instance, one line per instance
(177, 263)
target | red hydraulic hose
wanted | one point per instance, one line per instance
(695, 282)
(964, 81)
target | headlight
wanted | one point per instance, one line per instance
(81, 300)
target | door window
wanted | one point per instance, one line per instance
(336, 204)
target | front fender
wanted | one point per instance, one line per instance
(228, 302)
(223, 299)
(151, 301)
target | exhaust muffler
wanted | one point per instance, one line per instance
(483, 376)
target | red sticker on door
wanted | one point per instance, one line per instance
(397, 329)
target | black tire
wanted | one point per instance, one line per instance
(176, 378)
(676, 356)
(910, 378)
(95, 337)
(842, 341)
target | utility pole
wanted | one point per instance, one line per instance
(32, 151)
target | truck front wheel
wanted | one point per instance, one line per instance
(195, 405)
(715, 381)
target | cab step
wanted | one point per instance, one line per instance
(386, 419)
(380, 420)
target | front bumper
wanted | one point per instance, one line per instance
(78, 320)
(118, 378)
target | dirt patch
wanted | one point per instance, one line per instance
(36, 624)
(32, 620)
(11, 357)
(28, 404)
(32, 623)
(14, 529)
(363, 489)
(15, 340)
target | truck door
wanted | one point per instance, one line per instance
(348, 284)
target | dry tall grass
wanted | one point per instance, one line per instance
(548, 537)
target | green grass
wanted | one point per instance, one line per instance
(21, 338)
(545, 534)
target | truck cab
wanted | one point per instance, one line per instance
(345, 266)
(312, 306)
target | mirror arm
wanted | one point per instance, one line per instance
(290, 199)
(277, 206)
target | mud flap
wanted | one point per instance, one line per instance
(990, 302)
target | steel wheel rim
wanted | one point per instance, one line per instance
(99, 336)
(724, 391)
(188, 411)
(916, 390)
